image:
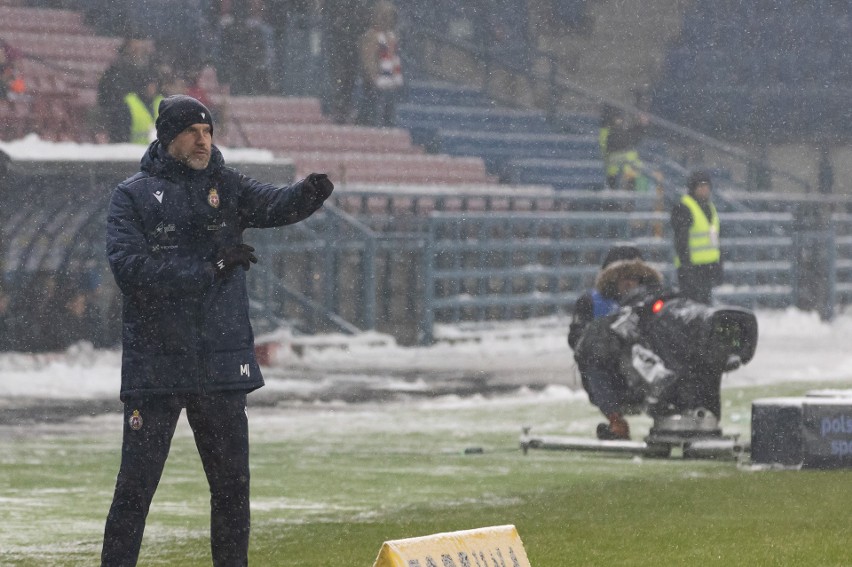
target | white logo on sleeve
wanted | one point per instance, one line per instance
(159, 195)
(244, 370)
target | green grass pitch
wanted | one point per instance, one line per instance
(331, 482)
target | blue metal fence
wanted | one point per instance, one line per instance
(482, 267)
(381, 260)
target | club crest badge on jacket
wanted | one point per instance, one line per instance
(135, 421)
(213, 198)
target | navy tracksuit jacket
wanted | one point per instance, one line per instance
(187, 340)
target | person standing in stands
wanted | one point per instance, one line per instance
(619, 140)
(698, 255)
(140, 113)
(129, 73)
(246, 51)
(381, 69)
(345, 24)
(11, 82)
(174, 242)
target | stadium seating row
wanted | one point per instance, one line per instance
(63, 61)
(773, 65)
(37, 20)
(518, 146)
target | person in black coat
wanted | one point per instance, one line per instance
(131, 71)
(695, 227)
(174, 244)
(623, 271)
(595, 302)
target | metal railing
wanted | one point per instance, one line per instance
(487, 267)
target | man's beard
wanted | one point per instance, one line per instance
(197, 163)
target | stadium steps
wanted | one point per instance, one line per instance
(84, 52)
(501, 150)
(438, 93)
(732, 70)
(295, 128)
(625, 47)
(62, 61)
(348, 167)
(41, 20)
(425, 119)
(559, 173)
(518, 146)
(282, 138)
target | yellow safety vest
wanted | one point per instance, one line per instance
(142, 120)
(703, 234)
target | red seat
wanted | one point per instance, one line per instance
(270, 109)
(284, 138)
(66, 62)
(41, 20)
(59, 48)
(352, 167)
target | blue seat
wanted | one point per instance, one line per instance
(582, 123)
(497, 148)
(560, 173)
(680, 65)
(434, 93)
(783, 56)
(425, 121)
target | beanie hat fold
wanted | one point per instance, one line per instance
(177, 113)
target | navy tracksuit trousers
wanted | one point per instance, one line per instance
(220, 426)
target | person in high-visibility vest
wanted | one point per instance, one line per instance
(698, 255)
(142, 117)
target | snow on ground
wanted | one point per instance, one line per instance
(31, 147)
(793, 346)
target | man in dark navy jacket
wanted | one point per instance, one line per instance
(174, 243)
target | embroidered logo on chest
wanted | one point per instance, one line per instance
(213, 198)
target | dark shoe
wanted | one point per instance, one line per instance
(617, 428)
(604, 433)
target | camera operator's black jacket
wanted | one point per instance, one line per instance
(184, 330)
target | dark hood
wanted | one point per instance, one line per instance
(159, 163)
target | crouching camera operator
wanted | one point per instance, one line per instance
(665, 353)
(623, 272)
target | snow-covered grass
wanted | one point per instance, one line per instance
(332, 480)
(794, 346)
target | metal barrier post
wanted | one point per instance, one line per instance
(427, 319)
(814, 272)
(368, 285)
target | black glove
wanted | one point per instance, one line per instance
(230, 257)
(317, 187)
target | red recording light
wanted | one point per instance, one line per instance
(658, 306)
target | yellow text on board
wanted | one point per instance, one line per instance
(495, 546)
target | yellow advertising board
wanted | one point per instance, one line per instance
(495, 546)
